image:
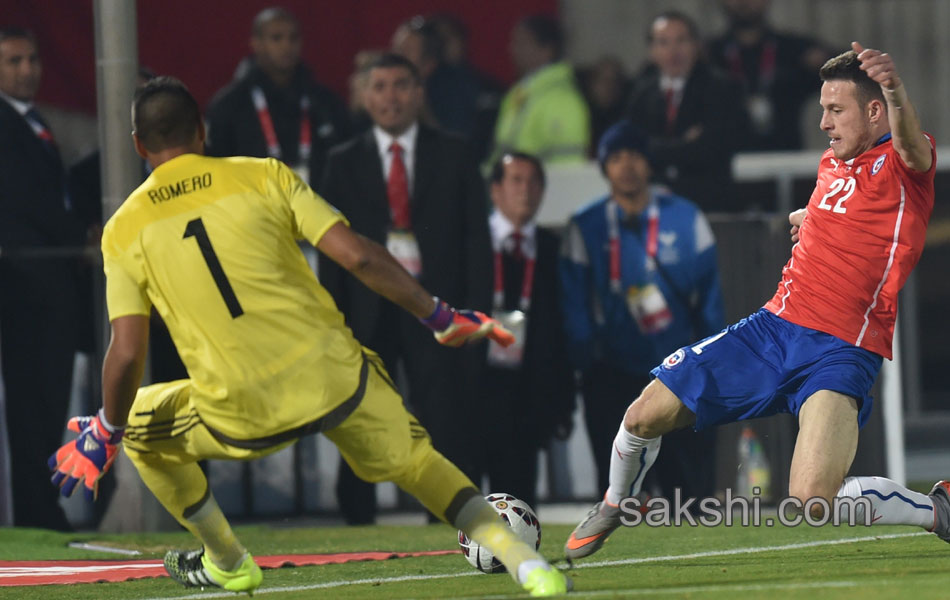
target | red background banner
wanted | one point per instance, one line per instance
(202, 42)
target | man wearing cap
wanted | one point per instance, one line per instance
(638, 280)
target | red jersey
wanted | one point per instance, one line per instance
(863, 232)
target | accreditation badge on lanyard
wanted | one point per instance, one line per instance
(515, 321)
(302, 168)
(758, 103)
(646, 303)
(402, 244)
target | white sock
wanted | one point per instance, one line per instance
(891, 503)
(630, 459)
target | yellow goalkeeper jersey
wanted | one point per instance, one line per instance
(212, 244)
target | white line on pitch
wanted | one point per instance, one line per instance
(586, 565)
(698, 589)
(752, 550)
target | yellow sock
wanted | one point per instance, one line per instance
(481, 523)
(209, 525)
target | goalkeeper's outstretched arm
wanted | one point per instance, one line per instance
(123, 367)
(378, 270)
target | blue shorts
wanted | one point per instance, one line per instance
(765, 365)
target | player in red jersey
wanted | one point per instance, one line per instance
(816, 347)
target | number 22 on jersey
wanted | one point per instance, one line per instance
(842, 185)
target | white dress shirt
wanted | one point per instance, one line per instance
(501, 230)
(408, 143)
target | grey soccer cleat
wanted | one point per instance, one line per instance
(940, 494)
(592, 532)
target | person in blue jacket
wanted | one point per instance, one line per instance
(639, 279)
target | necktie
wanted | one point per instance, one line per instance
(670, 109)
(42, 131)
(398, 189)
(517, 251)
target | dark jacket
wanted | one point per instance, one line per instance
(235, 130)
(699, 169)
(449, 220)
(540, 393)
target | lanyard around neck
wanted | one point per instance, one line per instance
(527, 282)
(613, 236)
(767, 60)
(270, 134)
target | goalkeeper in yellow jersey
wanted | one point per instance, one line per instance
(211, 243)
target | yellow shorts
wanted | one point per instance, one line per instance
(379, 439)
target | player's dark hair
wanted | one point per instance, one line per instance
(847, 67)
(164, 114)
(269, 15)
(389, 60)
(675, 15)
(498, 169)
(13, 32)
(546, 31)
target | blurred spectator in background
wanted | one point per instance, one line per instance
(488, 92)
(638, 280)
(778, 71)
(693, 114)
(529, 383)
(606, 89)
(39, 303)
(274, 107)
(416, 190)
(457, 96)
(358, 115)
(544, 113)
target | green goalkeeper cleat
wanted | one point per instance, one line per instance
(543, 582)
(194, 569)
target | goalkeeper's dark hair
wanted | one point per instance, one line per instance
(165, 114)
(847, 67)
(498, 169)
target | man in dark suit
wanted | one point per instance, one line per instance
(416, 190)
(778, 72)
(275, 107)
(38, 297)
(527, 391)
(693, 114)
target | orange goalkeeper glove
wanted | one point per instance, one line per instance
(87, 458)
(455, 327)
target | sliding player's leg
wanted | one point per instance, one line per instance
(825, 448)
(723, 378)
(164, 440)
(381, 441)
(657, 411)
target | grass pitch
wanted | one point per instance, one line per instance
(642, 562)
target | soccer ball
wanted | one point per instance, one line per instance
(523, 522)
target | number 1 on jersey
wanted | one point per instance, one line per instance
(196, 229)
